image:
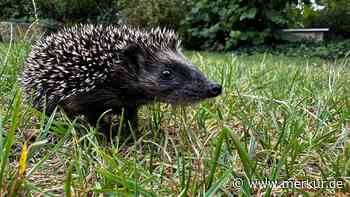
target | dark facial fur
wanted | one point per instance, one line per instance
(170, 78)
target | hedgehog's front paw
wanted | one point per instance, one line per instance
(113, 126)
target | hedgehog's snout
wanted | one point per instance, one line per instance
(214, 89)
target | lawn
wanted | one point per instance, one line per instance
(279, 119)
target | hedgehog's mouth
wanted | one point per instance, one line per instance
(188, 95)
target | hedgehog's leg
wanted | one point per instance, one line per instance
(129, 121)
(130, 115)
(109, 123)
(93, 117)
(103, 121)
(74, 106)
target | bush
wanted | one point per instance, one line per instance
(136, 12)
(226, 24)
(336, 16)
(16, 9)
(77, 11)
(61, 11)
(167, 13)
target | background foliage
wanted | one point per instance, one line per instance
(16, 9)
(226, 24)
(75, 11)
(335, 16)
(135, 12)
(330, 50)
(155, 12)
(54, 13)
(203, 24)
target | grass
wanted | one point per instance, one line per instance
(278, 119)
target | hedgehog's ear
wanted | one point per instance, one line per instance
(135, 55)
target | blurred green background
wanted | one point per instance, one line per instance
(220, 25)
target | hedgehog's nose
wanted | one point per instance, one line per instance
(214, 89)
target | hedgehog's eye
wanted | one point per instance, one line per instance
(166, 74)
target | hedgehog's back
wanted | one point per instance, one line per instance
(79, 59)
(72, 61)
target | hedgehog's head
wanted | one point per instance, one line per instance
(166, 75)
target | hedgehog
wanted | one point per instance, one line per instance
(90, 69)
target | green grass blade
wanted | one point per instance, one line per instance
(9, 139)
(242, 152)
(220, 182)
(214, 161)
(68, 181)
(128, 183)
